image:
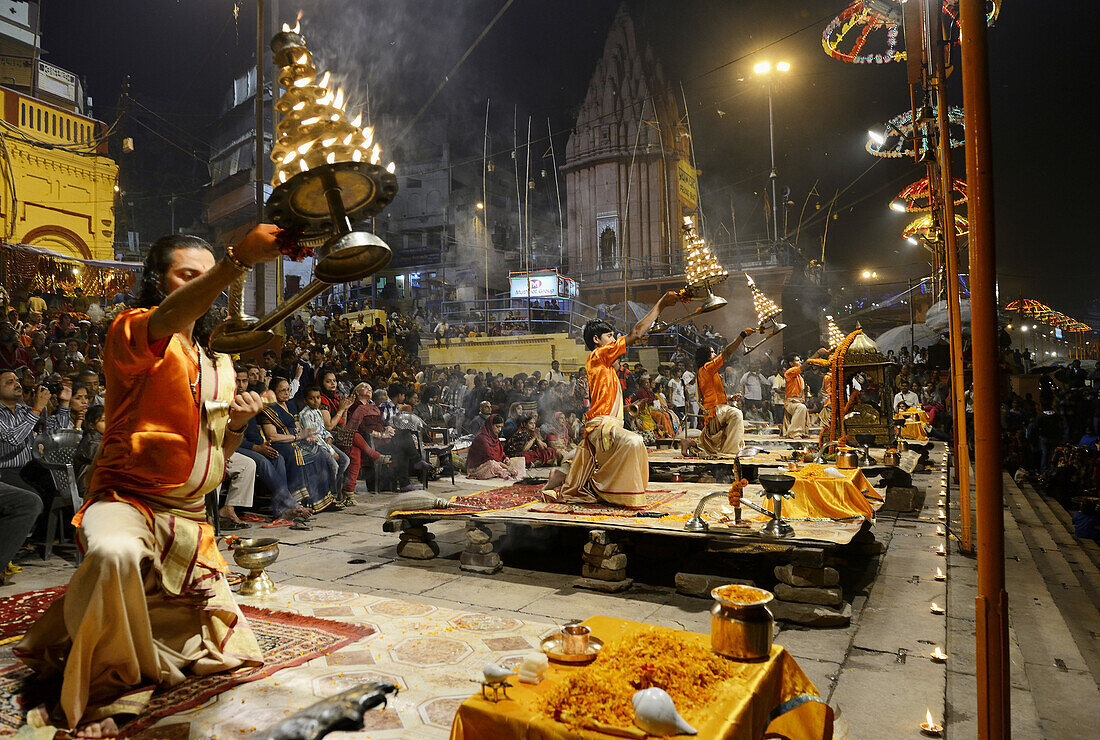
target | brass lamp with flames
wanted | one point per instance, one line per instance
(328, 176)
(703, 271)
(835, 336)
(766, 311)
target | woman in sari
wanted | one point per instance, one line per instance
(365, 431)
(527, 443)
(307, 474)
(486, 458)
(558, 432)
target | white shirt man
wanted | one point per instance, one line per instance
(676, 395)
(556, 375)
(319, 323)
(752, 387)
(906, 399)
(691, 390)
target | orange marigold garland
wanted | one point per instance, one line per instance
(735, 492)
(836, 364)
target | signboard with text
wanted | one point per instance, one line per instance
(688, 185)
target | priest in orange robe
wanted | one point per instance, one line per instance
(150, 603)
(611, 462)
(723, 425)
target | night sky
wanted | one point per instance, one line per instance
(181, 57)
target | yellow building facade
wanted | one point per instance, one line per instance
(57, 184)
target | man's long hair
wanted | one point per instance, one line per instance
(157, 262)
(702, 355)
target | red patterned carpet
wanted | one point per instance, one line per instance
(287, 639)
(496, 499)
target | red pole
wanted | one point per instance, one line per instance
(991, 604)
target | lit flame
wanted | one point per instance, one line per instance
(939, 573)
(282, 176)
(325, 99)
(939, 530)
(303, 82)
(303, 165)
(289, 157)
(357, 156)
(303, 148)
(311, 120)
(299, 106)
(347, 139)
(324, 80)
(928, 718)
(936, 607)
(391, 168)
(939, 654)
(330, 157)
(942, 551)
(357, 120)
(286, 28)
(298, 22)
(328, 142)
(368, 136)
(339, 98)
(302, 59)
(376, 154)
(751, 281)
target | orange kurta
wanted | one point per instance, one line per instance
(611, 462)
(796, 386)
(604, 389)
(712, 392)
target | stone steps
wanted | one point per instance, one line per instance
(1072, 579)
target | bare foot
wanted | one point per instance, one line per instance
(555, 479)
(103, 728)
(228, 512)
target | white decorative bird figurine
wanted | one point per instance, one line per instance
(655, 712)
(494, 672)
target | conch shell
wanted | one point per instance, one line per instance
(655, 712)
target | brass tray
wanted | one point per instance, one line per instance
(552, 647)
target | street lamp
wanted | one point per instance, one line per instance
(897, 205)
(868, 274)
(765, 68)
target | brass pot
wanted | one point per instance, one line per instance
(891, 457)
(255, 554)
(741, 629)
(847, 458)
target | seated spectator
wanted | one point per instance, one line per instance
(512, 422)
(365, 431)
(312, 418)
(527, 442)
(95, 424)
(72, 406)
(486, 458)
(1086, 522)
(307, 474)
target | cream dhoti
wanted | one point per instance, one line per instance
(723, 433)
(611, 463)
(796, 418)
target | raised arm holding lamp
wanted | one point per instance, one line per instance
(610, 463)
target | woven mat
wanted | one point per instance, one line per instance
(653, 500)
(494, 499)
(287, 639)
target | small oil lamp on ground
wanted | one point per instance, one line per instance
(929, 726)
(939, 575)
(936, 608)
(938, 656)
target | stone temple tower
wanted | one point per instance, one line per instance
(628, 175)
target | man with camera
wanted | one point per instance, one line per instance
(20, 503)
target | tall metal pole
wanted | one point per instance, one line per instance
(991, 603)
(774, 174)
(954, 312)
(527, 224)
(912, 327)
(485, 208)
(258, 170)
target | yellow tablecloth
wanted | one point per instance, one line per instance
(821, 496)
(915, 421)
(772, 695)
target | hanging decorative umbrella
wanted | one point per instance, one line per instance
(869, 31)
(897, 139)
(922, 225)
(917, 197)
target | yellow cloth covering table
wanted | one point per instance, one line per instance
(773, 695)
(818, 495)
(915, 421)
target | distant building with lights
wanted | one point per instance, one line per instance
(57, 184)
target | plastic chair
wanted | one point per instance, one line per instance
(55, 451)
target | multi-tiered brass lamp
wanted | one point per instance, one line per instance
(766, 311)
(702, 272)
(328, 176)
(835, 336)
